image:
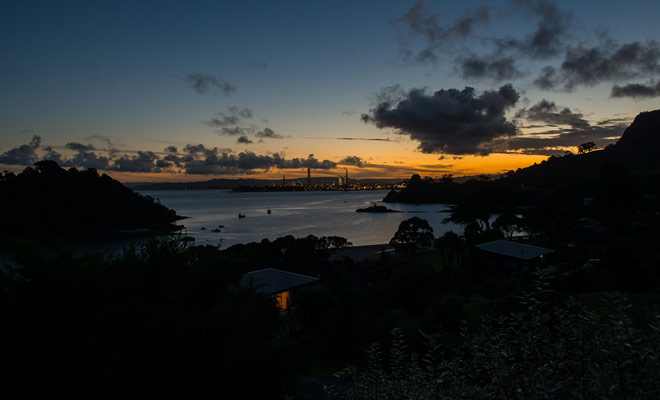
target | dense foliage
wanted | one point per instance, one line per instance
(542, 349)
(412, 233)
(49, 201)
(160, 320)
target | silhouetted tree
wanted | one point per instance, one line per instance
(586, 147)
(411, 233)
(446, 178)
(469, 212)
(508, 223)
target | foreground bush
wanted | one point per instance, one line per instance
(161, 320)
(537, 352)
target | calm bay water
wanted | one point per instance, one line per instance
(298, 214)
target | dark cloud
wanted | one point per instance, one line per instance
(233, 116)
(421, 21)
(51, 154)
(229, 123)
(22, 155)
(75, 146)
(247, 162)
(87, 159)
(144, 161)
(449, 121)
(548, 143)
(105, 139)
(200, 149)
(590, 66)
(173, 160)
(235, 130)
(244, 140)
(548, 112)
(548, 40)
(499, 69)
(171, 149)
(636, 90)
(550, 34)
(548, 78)
(553, 28)
(352, 160)
(205, 83)
(365, 139)
(268, 133)
(351, 138)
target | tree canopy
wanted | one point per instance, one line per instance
(412, 232)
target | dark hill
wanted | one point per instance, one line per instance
(643, 133)
(48, 201)
(634, 158)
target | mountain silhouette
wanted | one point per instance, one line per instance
(634, 157)
(48, 201)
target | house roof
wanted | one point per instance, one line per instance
(271, 280)
(514, 249)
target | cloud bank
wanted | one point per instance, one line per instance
(193, 159)
(449, 121)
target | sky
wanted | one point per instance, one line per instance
(195, 90)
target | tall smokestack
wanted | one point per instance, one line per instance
(346, 176)
(309, 177)
(283, 180)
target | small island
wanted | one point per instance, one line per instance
(375, 208)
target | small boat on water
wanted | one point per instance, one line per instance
(240, 216)
(268, 212)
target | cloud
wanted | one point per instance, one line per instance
(229, 123)
(22, 155)
(352, 160)
(243, 140)
(196, 159)
(87, 159)
(268, 133)
(548, 112)
(602, 133)
(365, 139)
(553, 28)
(551, 31)
(589, 66)
(449, 121)
(499, 69)
(246, 162)
(144, 161)
(420, 21)
(79, 146)
(200, 149)
(205, 83)
(105, 139)
(51, 154)
(233, 116)
(636, 90)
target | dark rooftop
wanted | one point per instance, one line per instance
(514, 249)
(271, 280)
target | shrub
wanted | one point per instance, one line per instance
(537, 351)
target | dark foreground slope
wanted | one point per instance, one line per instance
(634, 158)
(48, 201)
